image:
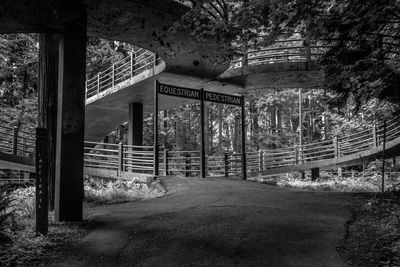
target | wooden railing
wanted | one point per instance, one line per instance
(15, 141)
(136, 63)
(140, 159)
(290, 50)
(119, 157)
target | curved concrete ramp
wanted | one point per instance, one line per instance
(144, 23)
(276, 75)
(216, 222)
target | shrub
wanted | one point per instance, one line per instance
(117, 190)
(6, 213)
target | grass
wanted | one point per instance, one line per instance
(373, 237)
(350, 182)
(98, 191)
(19, 244)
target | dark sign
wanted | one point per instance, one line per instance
(222, 98)
(184, 92)
(177, 91)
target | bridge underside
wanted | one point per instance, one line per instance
(105, 113)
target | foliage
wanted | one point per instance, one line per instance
(98, 191)
(6, 212)
(101, 53)
(373, 237)
(355, 182)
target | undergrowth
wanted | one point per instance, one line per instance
(373, 237)
(99, 191)
(328, 181)
(19, 244)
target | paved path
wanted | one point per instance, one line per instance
(218, 222)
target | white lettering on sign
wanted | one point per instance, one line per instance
(223, 98)
(179, 91)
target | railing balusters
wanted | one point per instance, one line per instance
(165, 162)
(374, 136)
(120, 158)
(15, 141)
(98, 84)
(336, 147)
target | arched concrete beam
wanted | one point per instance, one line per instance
(276, 75)
(144, 23)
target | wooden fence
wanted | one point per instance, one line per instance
(140, 159)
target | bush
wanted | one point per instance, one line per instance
(117, 191)
(6, 213)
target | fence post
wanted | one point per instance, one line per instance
(261, 161)
(25, 147)
(296, 155)
(206, 166)
(42, 179)
(120, 158)
(98, 84)
(336, 147)
(165, 162)
(15, 141)
(113, 75)
(374, 136)
(187, 164)
(235, 164)
(86, 89)
(307, 44)
(245, 59)
(226, 164)
(154, 63)
(132, 64)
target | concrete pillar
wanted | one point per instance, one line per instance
(314, 174)
(47, 98)
(135, 124)
(70, 121)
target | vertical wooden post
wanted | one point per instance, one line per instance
(206, 166)
(244, 163)
(154, 63)
(226, 164)
(296, 155)
(98, 84)
(336, 147)
(202, 138)
(48, 100)
(71, 118)
(374, 136)
(300, 148)
(113, 75)
(165, 162)
(383, 157)
(41, 181)
(120, 158)
(132, 71)
(86, 90)
(308, 48)
(261, 161)
(15, 141)
(187, 164)
(155, 121)
(245, 59)
(235, 163)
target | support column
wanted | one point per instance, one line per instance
(301, 173)
(70, 122)
(135, 124)
(47, 98)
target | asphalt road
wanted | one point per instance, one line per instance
(217, 222)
